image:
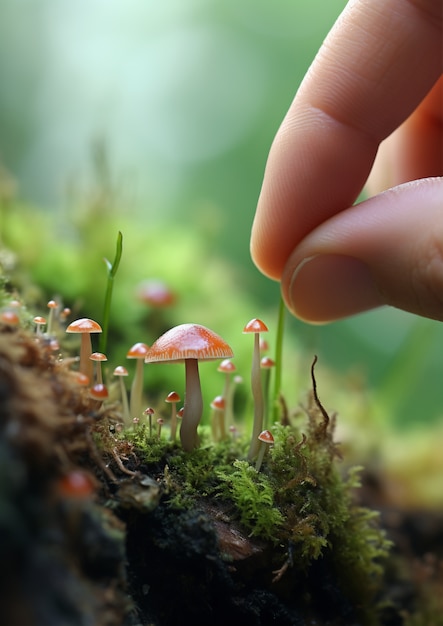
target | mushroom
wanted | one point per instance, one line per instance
(227, 367)
(160, 423)
(190, 343)
(265, 439)
(218, 406)
(98, 393)
(149, 411)
(173, 398)
(85, 327)
(52, 306)
(266, 364)
(121, 371)
(256, 327)
(98, 358)
(39, 322)
(138, 351)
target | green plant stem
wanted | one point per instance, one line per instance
(112, 271)
(278, 359)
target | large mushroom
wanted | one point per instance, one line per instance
(85, 327)
(190, 343)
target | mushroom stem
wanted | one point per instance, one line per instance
(86, 366)
(125, 404)
(137, 390)
(173, 422)
(193, 406)
(261, 455)
(257, 394)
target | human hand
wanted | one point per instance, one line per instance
(380, 65)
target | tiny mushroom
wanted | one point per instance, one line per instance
(173, 398)
(256, 327)
(138, 351)
(190, 343)
(266, 364)
(218, 405)
(149, 411)
(85, 327)
(265, 439)
(39, 322)
(98, 358)
(227, 368)
(99, 393)
(121, 371)
(52, 306)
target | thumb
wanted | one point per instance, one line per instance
(385, 250)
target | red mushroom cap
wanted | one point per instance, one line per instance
(266, 363)
(189, 341)
(138, 351)
(266, 436)
(255, 326)
(226, 366)
(172, 397)
(218, 403)
(84, 325)
(99, 392)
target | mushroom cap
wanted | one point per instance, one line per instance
(156, 294)
(98, 356)
(172, 397)
(255, 326)
(226, 366)
(39, 320)
(218, 403)
(149, 411)
(120, 371)
(84, 325)
(267, 363)
(138, 351)
(189, 341)
(99, 392)
(10, 318)
(266, 436)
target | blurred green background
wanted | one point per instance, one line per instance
(161, 116)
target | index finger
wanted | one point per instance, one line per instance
(376, 65)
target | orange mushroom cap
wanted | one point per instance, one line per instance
(84, 325)
(226, 366)
(99, 392)
(189, 341)
(255, 326)
(218, 403)
(10, 318)
(172, 397)
(120, 371)
(98, 356)
(138, 351)
(266, 436)
(266, 363)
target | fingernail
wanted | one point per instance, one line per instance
(329, 287)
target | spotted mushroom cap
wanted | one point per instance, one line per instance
(189, 341)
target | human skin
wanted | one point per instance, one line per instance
(371, 100)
